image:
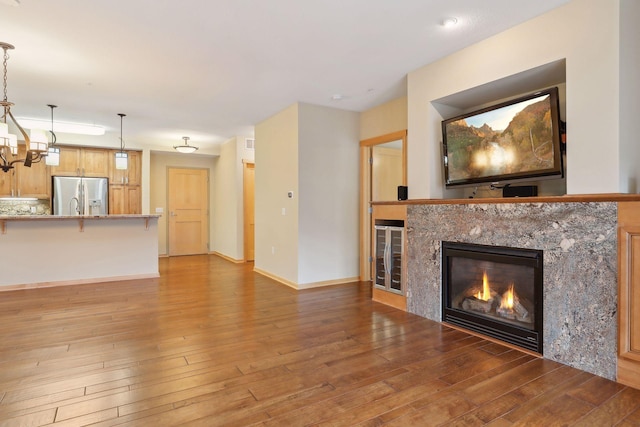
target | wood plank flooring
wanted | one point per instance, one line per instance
(211, 343)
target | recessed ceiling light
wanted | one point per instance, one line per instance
(337, 97)
(449, 22)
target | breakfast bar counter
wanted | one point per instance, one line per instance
(52, 250)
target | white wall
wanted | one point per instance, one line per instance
(328, 242)
(104, 249)
(585, 33)
(276, 172)
(228, 222)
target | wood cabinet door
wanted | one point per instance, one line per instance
(134, 199)
(6, 182)
(95, 162)
(117, 199)
(124, 199)
(34, 181)
(69, 162)
(131, 175)
(134, 174)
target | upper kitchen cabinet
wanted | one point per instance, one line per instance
(82, 161)
(24, 181)
(130, 176)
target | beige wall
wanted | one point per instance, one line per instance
(228, 218)
(629, 95)
(384, 119)
(160, 162)
(276, 173)
(328, 240)
(585, 33)
(311, 238)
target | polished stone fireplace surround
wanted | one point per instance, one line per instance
(579, 240)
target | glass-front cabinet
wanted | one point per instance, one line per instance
(389, 251)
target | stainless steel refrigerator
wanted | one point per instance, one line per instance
(80, 196)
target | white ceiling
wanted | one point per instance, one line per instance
(211, 69)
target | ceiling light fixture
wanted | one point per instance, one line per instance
(36, 148)
(185, 148)
(53, 155)
(122, 158)
(449, 22)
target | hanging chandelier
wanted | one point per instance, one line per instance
(37, 145)
(185, 148)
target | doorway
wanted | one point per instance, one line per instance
(188, 211)
(383, 166)
(248, 181)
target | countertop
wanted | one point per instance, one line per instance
(73, 217)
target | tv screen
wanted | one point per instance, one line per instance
(517, 140)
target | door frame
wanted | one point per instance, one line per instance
(245, 166)
(366, 245)
(208, 194)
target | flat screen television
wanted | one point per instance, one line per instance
(517, 140)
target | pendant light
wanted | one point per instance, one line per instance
(185, 148)
(122, 158)
(53, 155)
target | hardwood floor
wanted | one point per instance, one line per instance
(212, 343)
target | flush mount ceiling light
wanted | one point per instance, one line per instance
(37, 147)
(449, 22)
(185, 148)
(122, 158)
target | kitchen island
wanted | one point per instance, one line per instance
(52, 250)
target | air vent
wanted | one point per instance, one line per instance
(249, 143)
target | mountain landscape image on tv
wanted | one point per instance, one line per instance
(512, 140)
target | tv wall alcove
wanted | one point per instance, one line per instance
(539, 78)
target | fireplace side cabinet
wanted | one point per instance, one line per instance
(629, 294)
(388, 261)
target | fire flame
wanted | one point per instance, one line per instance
(508, 298)
(485, 293)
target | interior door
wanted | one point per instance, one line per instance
(249, 211)
(188, 211)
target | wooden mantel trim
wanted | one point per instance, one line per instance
(578, 198)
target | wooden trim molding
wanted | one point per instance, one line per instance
(228, 258)
(78, 282)
(365, 193)
(389, 298)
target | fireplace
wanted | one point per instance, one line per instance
(495, 291)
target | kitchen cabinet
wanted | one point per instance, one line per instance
(131, 175)
(125, 196)
(82, 161)
(628, 294)
(22, 181)
(124, 199)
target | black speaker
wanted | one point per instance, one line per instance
(403, 192)
(520, 191)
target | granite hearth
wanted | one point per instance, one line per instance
(579, 240)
